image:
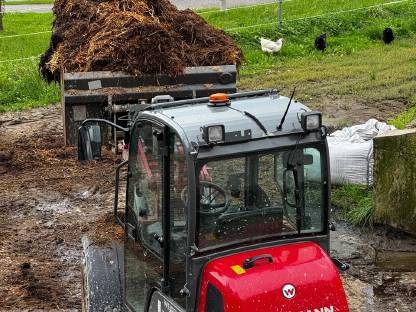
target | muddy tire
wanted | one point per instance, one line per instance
(102, 277)
(83, 290)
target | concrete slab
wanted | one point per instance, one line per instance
(181, 4)
(32, 8)
(394, 179)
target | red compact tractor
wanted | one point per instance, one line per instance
(226, 210)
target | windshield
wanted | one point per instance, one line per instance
(259, 196)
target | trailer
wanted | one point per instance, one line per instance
(115, 95)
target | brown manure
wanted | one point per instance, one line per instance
(135, 36)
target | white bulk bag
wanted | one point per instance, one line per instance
(351, 152)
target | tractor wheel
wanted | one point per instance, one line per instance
(102, 277)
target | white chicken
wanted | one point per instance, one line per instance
(269, 46)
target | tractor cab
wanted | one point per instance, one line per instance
(227, 207)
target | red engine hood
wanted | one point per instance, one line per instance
(304, 267)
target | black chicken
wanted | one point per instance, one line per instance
(320, 42)
(388, 35)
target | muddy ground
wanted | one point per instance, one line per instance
(48, 201)
(382, 274)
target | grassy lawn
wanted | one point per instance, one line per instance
(24, 23)
(13, 45)
(357, 71)
(22, 87)
(20, 84)
(378, 82)
(264, 14)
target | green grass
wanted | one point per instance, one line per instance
(264, 14)
(347, 34)
(405, 118)
(21, 87)
(355, 202)
(357, 68)
(380, 79)
(24, 23)
(22, 47)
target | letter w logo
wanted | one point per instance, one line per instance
(289, 291)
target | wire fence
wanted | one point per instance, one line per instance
(21, 59)
(329, 14)
(23, 47)
(244, 6)
(25, 35)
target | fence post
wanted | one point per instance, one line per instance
(280, 14)
(223, 5)
(1, 14)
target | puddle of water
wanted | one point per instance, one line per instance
(59, 207)
(396, 261)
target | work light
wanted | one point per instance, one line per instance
(214, 134)
(311, 121)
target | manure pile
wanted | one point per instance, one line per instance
(135, 36)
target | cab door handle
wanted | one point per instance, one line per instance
(250, 262)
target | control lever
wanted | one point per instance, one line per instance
(184, 292)
(340, 265)
(159, 239)
(250, 262)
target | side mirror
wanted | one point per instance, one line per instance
(89, 143)
(307, 160)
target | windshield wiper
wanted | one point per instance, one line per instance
(254, 118)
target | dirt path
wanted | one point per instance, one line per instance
(48, 201)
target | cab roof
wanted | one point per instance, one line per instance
(268, 109)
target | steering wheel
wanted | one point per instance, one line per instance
(214, 199)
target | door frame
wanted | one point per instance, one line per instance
(132, 224)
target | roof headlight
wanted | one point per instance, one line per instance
(311, 121)
(214, 134)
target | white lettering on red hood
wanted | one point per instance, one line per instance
(324, 309)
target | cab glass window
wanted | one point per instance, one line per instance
(313, 194)
(259, 196)
(147, 186)
(144, 269)
(178, 208)
(309, 182)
